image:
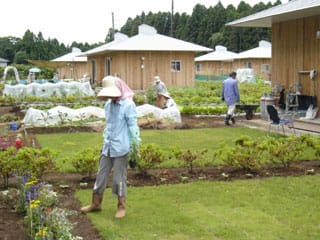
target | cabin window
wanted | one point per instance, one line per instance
(199, 67)
(175, 66)
(247, 64)
(265, 68)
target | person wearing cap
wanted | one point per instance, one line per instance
(19, 143)
(169, 102)
(120, 133)
(231, 95)
(159, 87)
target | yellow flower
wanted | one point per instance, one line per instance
(42, 232)
(34, 203)
(31, 183)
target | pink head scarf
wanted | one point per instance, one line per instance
(126, 92)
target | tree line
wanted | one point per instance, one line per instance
(205, 26)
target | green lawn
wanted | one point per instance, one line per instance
(193, 139)
(273, 208)
(266, 209)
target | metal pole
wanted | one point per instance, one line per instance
(113, 26)
(171, 29)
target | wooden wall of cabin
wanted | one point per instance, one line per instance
(216, 68)
(256, 65)
(73, 70)
(139, 68)
(295, 48)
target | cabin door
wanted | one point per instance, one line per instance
(93, 70)
(108, 66)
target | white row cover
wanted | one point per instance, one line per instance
(59, 114)
(49, 89)
(172, 113)
(56, 115)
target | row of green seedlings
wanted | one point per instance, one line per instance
(245, 153)
(44, 220)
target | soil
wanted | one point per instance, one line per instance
(12, 226)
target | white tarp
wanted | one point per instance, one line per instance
(172, 113)
(49, 89)
(56, 115)
(59, 114)
(246, 75)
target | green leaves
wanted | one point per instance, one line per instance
(251, 154)
(86, 161)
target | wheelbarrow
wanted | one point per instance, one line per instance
(248, 108)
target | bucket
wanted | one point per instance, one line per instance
(13, 126)
(269, 100)
(266, 100)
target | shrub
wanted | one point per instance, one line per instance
(86, 161)
(150, 155)
(34, 162)
(289, 149)
(246, 154)
(189, 157)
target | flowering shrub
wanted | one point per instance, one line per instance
(44, 219)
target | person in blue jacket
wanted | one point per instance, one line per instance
(231, 95)
(120, 133)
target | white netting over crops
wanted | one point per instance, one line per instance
(59, 114)
(171, 113)
(49, 89)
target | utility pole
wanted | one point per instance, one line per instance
(113, 26)
(171, 29)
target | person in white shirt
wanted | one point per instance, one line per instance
(169, 102)
(159, 87)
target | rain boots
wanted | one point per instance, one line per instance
(226, 121)
(95, 205)
(233, 120)
(121, 212)
(228, 118)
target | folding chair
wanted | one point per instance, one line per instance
(277, 121)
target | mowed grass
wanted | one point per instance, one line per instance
(193, 139)
(265, 209)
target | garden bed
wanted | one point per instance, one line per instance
(12, 224)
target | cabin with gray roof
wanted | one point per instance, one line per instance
(3, 62)
(72, 65)
(215, 65)
(258, 59)
(295, 45)
(139, 58)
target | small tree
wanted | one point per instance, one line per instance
(189, 157)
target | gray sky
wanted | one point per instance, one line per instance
(83, 20)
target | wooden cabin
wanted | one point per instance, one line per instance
(295, 45)
(138, 59)
(258, 59)
(71, 66)
(215, 65)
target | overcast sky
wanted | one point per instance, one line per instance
(86, 20)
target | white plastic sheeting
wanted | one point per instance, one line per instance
(56, 115)
(246, 75)
(49, 89)
(59, 114)
(172, 113)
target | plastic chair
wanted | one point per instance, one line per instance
(277, 121)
